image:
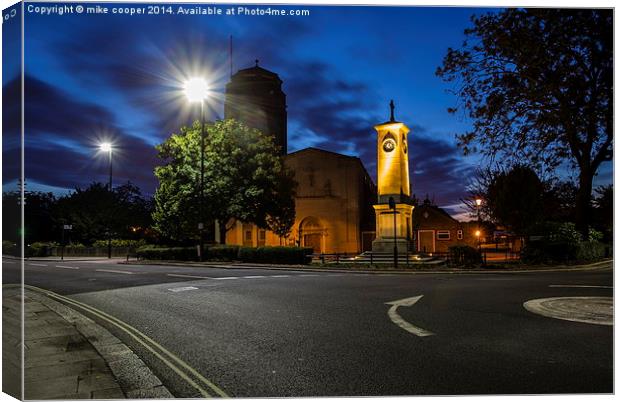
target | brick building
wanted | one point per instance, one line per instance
(434, 230)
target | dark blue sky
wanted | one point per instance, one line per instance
(95, 77)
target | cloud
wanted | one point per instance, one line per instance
(61, 136)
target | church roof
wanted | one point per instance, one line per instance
(332, 154)
(256, 72)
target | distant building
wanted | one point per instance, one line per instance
(434, 230)
(254, 96)
(333, 206)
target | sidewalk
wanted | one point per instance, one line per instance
(56, 258)
(69, 356)
(412, 270)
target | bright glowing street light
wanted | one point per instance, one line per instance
(196, 89)
(478, 202)
(105, 147)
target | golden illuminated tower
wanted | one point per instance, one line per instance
(394, 207)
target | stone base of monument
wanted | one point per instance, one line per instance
(386, 245)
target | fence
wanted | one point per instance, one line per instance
(91, 251)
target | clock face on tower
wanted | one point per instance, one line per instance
(389, 145)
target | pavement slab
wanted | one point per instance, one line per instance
(69, 356)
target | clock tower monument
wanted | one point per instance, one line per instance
(394, 206)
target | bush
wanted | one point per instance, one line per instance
(120, 243)
(591, 251)
(167, 253)
(276, 255)
(549, 252)
(9, 248)
(40, 249)
(222, 253)
(464, 255)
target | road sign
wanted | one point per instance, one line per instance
(68, 227)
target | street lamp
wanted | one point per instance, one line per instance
(196, 89)
(478, 204)
(107, 147)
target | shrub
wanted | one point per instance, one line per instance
(120, 243)
(40, 249)
(545, 251)
(9, 248)
(167, 253)
(591, 250)
(276, 255)
(464, 255)
(222, 253)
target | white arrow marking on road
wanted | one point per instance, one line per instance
(398, 320)
(66, 267)
(38, 265)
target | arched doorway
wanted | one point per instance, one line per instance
(312, 233)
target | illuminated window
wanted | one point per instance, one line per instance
(459, 234)
(443, 235)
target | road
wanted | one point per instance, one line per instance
(263, 333)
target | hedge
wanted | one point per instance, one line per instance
(549, 251)
(264, 255)
(9, 248)
(276, 255)
(464, 256)
(167, 253)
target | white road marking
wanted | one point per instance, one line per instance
(189, 276)
(225, 278)
(280, 276)
(38, 265)
(8, 262)
(66, 267)
(581, 286)
(586, 309)
(183, 289)
(398, 320)
(253, 277)
(307, 275)
(115, 271)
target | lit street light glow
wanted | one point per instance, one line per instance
(478, 201)
(196, 89)
(105, 147)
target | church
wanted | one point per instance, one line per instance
(338, 207)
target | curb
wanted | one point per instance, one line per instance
(561, 268)
(133, 376)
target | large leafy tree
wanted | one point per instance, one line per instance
(244, 179)
(538, 86)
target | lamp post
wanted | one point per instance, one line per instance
(107, 147)
(478, 233)
(392, 204)
(196, 90)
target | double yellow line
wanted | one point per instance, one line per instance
(206, 388)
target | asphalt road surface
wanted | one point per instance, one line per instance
(263, 333)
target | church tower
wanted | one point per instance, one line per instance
(254, 96)
(394, 207)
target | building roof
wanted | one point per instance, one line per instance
(325, 152)
(256, 72)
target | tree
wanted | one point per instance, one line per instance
(515, 199)
(245, 179)
(604, 210)
(95, 210)
(38, 220)
(538, 85)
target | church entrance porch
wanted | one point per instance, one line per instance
(311, 233)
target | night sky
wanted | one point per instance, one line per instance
(119, 78)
